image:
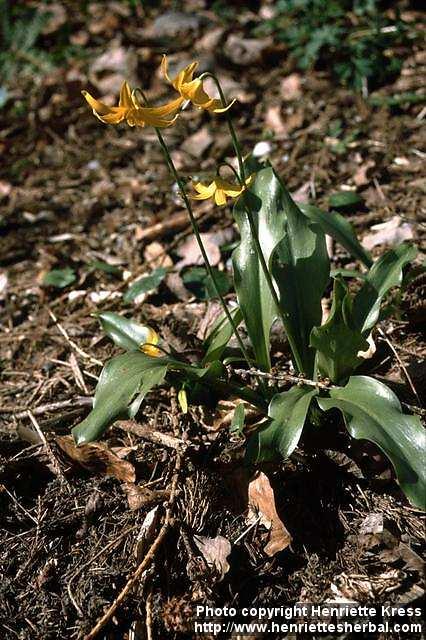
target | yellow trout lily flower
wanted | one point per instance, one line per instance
(148, 347)
(219, 189)
(129, 109)
(191, 89)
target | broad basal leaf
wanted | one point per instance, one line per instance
(336, 226)
(372, 412)
(301, 269)
(336, 341)
(127, 334)
(265, 201)
(288, 411)
(123, 383)
(383, 275)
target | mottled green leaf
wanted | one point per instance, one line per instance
(198, 281)
(301, 268)
(237, 423)
(127, 334)
(336, 341)
(345, 200)
(145, 284)
(336, 226)
(124, 382)
(385, 273)
(372, 412)
(59, 278)
(264, 199)
(288, 411)
(220, 335)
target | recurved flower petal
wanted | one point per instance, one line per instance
(219, 189)
(193, 89)
(133, 112)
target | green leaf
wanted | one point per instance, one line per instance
(145, 284)
(372, 412)
(301, 269)
(336, 226)
(347, 273)
(124, 382)
(345, 200)
(264, 199)
(220, 335)
(127, 334)
(105, 266)
(198, 281)
(336, 342)
(385, 273)
(288, 411)
(237, 423)
(59, 278)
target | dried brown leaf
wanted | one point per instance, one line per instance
(215, 552)
(97, 458)
(262, 504)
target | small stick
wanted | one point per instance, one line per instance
(73, 344)
(145, 562)
(49, 451)
(51, 406)
(401, 364)
(153, 436)
(285, 376)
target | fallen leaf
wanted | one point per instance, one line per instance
(198, 143)
(146, 534)
(392, 232)
(190, 252)
(361, 175)
(274, 120)
(155, 254)
(108, 70)
(97, 458)
(262, 505)
(138, 497)
(291, 87)
(245, 51)
(215, 552)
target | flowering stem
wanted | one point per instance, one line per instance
(201, 245)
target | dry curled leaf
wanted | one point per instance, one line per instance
(215, 552)
(262, 505)
(138, 497)
(97, 458)
(392, 232)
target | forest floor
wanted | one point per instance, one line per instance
(98, 201)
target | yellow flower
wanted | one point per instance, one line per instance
(191, 89)
(130, 110)
(148, 347)
(219, 189)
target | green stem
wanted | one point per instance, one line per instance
(195, 229)
(235, 141)
(201, 245)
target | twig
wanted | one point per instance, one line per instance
(401, 364)
(51, 406)
(288, 377)
(153, 436)
(89, 562)
(72, 344)
(148, 616)
(51, 455)
(145, 562)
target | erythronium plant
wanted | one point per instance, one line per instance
(281, 271)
